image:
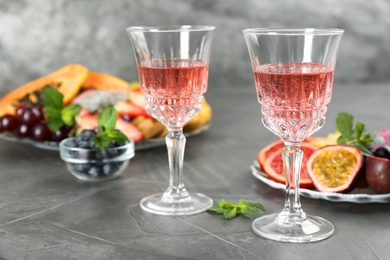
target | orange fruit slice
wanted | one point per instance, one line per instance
(273, 165)
(268, 150)
(335, 168)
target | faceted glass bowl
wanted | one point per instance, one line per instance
(94, 164)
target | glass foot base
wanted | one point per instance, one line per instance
(309, 230)
(197, 203)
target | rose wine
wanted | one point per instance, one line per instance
(293, 98)
(174, 89)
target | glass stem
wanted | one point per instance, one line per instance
(292, 161)
(176, 191)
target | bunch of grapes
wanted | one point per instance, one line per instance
(29, 121)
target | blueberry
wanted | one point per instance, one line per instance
(383, 152)
(85, 135)
(70, 143)
(126, 117)
(96, 171)
(74, 154)
(111, 152)
(100, 154)
(81, 167)
(109, 169)
(83, 144)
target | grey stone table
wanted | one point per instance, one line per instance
(45, 213)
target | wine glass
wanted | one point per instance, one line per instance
(293, 73)
(173, 64)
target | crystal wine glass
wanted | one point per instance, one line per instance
(293, 73)
(173, 65)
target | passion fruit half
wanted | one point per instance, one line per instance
(335, 168)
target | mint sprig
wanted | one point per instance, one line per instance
(230, 210)
(58, 115)
(106, 129)
(357, 136)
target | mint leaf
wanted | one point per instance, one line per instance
(376, 138)
(358, 136)
(230, 213)
(217, 208)
(101, 141)
(116, 135)
(106, 129)
(358, 131)
(52, 112)
(344, 124)
(51, 97)
(108, 118)
(57, 115)
(251, 208)
(230, 210)
(342, 139)
(55, 123)
(69, 113)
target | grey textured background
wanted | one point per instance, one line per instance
(40, 36)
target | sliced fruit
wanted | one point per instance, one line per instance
(68, 80)
(93, 99)
(378, 174)
(273, 165)
(86, 120)
(130, 109)
(150, 128)
(264, 153)
(135, 86)
(129, 130)
(200, 119)
(385, 134)
(98, 80)
(136, 97)
(335, 168)
(330, 139)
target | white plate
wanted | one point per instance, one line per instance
(356, 196)
(50, 145)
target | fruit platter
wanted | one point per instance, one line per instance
(24, 118)
(345, 166)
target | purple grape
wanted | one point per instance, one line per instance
(9, 122)
(40, 132)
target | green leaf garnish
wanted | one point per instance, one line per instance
(230, 210)
(68, 114)
(357, 136)
(344, 124)
(108, 118)
(106, 129)
(57, 115)
(51, 97)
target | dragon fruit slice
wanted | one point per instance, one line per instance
(386, 136)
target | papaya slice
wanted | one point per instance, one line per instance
(98, 80)
(68, 80)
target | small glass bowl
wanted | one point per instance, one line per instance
(94, 164)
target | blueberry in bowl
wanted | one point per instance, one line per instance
(89, 163)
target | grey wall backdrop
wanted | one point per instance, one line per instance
(40, 36)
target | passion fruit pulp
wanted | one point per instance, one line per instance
(335, 168)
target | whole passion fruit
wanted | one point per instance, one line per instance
(335, 168)
(378, 174)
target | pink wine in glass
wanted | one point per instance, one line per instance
(174, 89)
(293, 98)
